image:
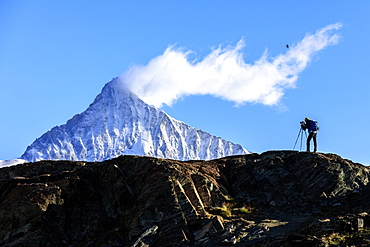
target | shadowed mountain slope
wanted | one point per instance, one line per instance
(277, 198)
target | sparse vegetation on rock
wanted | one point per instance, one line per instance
(278, 198)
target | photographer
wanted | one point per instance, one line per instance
(312, 126)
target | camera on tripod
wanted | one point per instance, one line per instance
(300, 133)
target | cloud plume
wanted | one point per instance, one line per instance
(224, 73)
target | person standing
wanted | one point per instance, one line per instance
(312, 126)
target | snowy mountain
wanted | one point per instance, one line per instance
(6, 163)
(118, 123)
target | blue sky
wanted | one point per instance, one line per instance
(55, 57)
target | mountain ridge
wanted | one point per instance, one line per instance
(277, 198)
(118, 123)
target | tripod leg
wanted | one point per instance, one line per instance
(302, 140)
(297, 138)
(307, 142)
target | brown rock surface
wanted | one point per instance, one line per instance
(278, 198)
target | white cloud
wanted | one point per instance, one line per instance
(223, 73)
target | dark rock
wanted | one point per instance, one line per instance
(277, 198)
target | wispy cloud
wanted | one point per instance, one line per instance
(224, 73)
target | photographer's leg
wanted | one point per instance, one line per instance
(314, 142)
(308, 141)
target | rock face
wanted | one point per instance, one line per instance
(119, 123)
(278, 198)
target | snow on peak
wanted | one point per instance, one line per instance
(7, 163)
(119, 123)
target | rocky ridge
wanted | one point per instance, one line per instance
(277, 198)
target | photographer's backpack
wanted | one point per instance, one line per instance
(314, 125)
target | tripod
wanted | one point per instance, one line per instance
(300, 133)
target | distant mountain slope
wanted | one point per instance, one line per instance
(117, 123)
(5, 163)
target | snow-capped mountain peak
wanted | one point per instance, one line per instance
(118, 123)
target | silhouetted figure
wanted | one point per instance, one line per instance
(312, 126)
(287, 46)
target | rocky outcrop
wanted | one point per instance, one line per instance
(278, 198)
(298, 182)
